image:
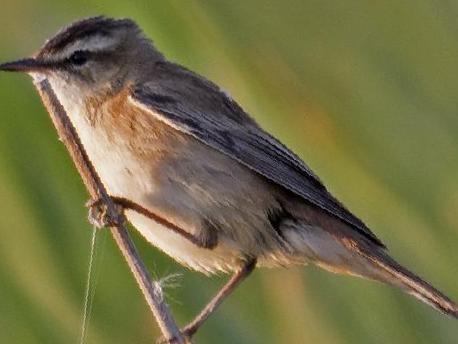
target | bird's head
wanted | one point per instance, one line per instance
(91, 54)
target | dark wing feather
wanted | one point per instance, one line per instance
(199, 108)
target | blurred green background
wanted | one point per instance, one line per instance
(364, 91)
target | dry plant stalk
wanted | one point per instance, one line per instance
(151, 289)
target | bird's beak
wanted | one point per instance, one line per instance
(28, 65)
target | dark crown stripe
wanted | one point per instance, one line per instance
(84, 28)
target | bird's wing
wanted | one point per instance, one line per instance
(197, 107)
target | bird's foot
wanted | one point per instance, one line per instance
(186, 332)
(99, 216)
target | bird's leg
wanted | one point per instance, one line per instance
(190, 329)
(97, 216)
(237, 278)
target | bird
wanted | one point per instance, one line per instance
(195, 174)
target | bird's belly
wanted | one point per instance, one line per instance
(220, 259)
(157, 187)
(121, 183)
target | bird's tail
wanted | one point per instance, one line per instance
(395, 274)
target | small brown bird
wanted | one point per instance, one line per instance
(197, 176)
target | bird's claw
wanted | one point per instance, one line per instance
(98, 214)
(186, 332)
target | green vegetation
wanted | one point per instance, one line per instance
(364, 91)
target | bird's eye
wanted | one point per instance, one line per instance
(79, 57)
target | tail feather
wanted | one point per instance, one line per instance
(412, 284)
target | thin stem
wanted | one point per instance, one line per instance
(151, 289)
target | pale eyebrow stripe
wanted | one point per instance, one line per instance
(93, 44)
